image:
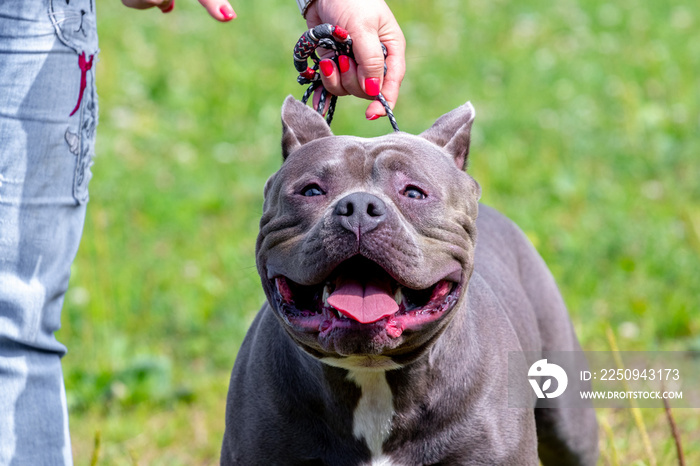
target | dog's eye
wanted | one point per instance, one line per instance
(414, 193)
(312, 190)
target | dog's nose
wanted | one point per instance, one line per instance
(360, 212)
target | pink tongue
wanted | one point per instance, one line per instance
(365, 304)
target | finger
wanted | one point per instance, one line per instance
(145, 4)
(396, 69)
(324, 53)
(375, 110)
(370, 62)
(348, 77)
(219, 10)
(330, 76)
(167, 7)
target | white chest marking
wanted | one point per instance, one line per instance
(382, 461)
(373, 414)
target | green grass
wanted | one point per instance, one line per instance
(586, 135)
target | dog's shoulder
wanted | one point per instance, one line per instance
(511, 266)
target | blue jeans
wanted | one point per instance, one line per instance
(48, 114)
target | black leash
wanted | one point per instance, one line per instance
(333, 38)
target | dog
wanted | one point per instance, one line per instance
(387, 326)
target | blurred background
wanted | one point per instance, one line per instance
(588, 116)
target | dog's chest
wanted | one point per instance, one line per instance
(374, 412)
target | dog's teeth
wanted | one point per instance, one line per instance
(398, 296)
(326, 294)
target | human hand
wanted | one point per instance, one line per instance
(369, 22)
(220, 10)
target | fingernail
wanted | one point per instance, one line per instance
(170, 7)
(343, 63)
(227, 12)
(373, 117)
(372, 86)
(326, 67)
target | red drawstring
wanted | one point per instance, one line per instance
(85, 66)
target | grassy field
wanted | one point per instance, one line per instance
(587, 135)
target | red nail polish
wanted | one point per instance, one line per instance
(170, 7)
(227, 12)
(372, 86)
(373, 117)
(326, 67)
(343, 63)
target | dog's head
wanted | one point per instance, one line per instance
(366, 245)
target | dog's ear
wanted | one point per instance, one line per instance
(452, 132)
(300, 125)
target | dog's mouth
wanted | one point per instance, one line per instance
(361, 294)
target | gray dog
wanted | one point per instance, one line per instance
(386, 334)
